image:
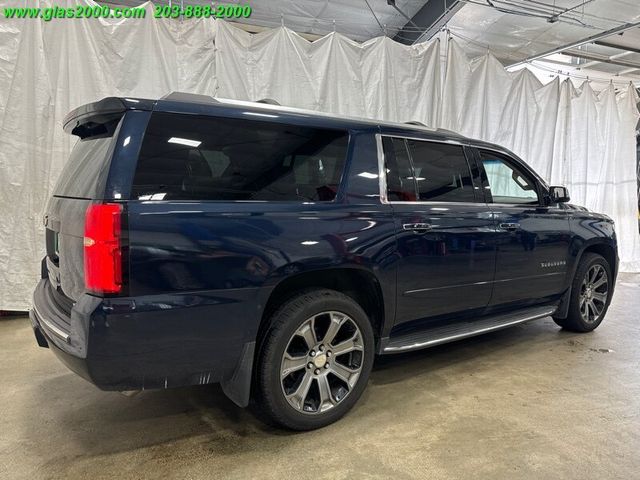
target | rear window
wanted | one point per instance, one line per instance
(87, 165)
(186, 157)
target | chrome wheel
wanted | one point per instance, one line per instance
(322, 362)
(594, 292)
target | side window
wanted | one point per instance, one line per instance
(401, 185)
(441, 172)
(188, 157)
(507, 183)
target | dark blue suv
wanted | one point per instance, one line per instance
(192, 240)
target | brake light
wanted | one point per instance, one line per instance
(102, 248)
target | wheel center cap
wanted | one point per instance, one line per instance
(320, 360)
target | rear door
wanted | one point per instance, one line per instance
(444, 231)
(81, 181)
(533, 239)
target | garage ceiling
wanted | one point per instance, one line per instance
(514, 37)
(353, 18)
(513, 30)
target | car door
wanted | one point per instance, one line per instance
(532, 238)
(444, 231)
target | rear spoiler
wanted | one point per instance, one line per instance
(101, 118)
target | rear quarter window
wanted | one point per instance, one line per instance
(188, 157)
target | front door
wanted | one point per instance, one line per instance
(532, 239)
(445, 233)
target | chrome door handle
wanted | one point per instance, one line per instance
(509, 226)
(417, 227)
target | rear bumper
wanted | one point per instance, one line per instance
(68, 331)
(75, 364)
(147, 342)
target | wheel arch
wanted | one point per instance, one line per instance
(602, 248)
(358, 283)
(605, 250)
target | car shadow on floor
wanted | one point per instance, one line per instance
(397, 368)
(100, 423)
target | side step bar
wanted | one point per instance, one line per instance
(459, 330)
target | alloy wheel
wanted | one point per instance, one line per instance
(594, 292)
(322, 362)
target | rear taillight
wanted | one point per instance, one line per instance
(102, 248)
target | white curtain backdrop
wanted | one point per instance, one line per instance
(570, 136)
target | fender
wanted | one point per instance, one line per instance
(238, 386)
(563, 306)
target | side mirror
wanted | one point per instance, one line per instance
(559, 194)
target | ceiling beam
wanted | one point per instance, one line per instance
(611, 57)
(615, 45)
(591, 39)
(627, 71)
(598, 58)
(428, 21)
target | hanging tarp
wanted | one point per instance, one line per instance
(571, 136)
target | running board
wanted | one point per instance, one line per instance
(459, 330)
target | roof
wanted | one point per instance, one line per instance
(190, 103)
(195, 104)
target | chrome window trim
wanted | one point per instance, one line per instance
(422, 139)
(514, 205)
(436, 203)
(382, 174)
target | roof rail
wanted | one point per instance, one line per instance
(190, 98)
(268, 101)
(441, 130)
(444, 130)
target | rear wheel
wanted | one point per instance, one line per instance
(315, 360)
(590, 294)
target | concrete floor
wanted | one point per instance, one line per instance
(529, 402)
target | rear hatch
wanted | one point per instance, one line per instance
(81, 184)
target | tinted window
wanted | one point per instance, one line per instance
(401, 186)
(206, 158)
(506, 182)
(85, 168)
(441, 172)
(426, 171)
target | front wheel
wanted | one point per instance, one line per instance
(590, 294)
(315, 360)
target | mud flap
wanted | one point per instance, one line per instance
(238, 387)
(563, 306)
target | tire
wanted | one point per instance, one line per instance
(591, 292)
(304, 387)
